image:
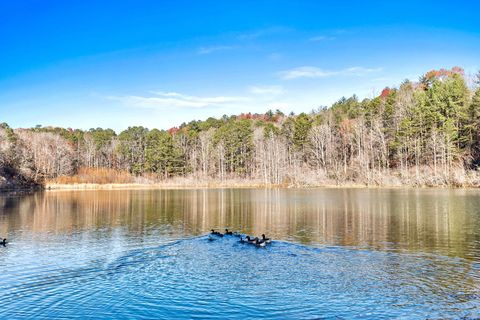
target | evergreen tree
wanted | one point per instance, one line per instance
(236, 138)
(302, 127)
(162, 155)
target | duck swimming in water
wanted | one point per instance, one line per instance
(242, 240)
(265, 239)
(260, 243)
(228, 233)
(216, 233)
(4, 242)
(250, 240)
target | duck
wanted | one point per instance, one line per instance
(216, 233)
(242, 240)
(265, 239)
(250, 240)
(4, 242)
(228, 233)
(260, 243)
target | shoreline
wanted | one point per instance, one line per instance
(228, 184)
(173, 186)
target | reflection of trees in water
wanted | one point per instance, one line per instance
(429, 220)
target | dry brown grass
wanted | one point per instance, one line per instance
(101, 178)
(97, 176)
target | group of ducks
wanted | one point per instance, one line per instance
(259, 242)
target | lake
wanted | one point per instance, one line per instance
(337, 253)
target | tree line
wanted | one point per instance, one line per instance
(422, 133)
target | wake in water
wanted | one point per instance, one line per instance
(222, 279)
(246, 239)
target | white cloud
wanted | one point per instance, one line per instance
(314, 72)
(207, 50)
(305, 72)
(254, 98)
(359, 71)
(165, 100)
(266, 90)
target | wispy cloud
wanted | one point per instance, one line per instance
(359, 71)
(266, 90)
(314, 72)
(210, 49)
(254, 97)
(321, 38)
(305, 72)
(165, 100)
(242, 38)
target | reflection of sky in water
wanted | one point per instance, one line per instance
(373, 253)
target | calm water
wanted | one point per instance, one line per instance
(338, 253)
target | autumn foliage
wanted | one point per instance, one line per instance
(422, 133)
(385, 92)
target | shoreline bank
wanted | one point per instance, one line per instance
(160, 186)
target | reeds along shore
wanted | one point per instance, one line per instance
(424, 133)
(461, 178)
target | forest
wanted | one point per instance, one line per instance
(423, 133)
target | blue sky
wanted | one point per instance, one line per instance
(115, 64)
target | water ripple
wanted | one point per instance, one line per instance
(196, 278)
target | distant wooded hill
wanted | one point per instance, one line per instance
(422, 133)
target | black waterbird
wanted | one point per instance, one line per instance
(216, 233)
(260, 242)
(250, 240)
(265, 239)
